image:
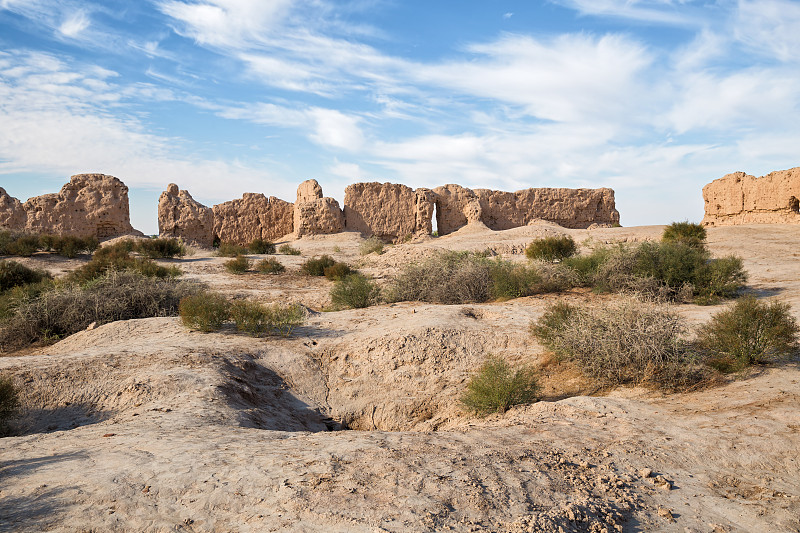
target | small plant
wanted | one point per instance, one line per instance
(9, 402)
(260, 246)
(627, 341)
(747, 333)
(47, 311)
(270, 266)
(161, 248)
(373, 244)
(251, 318)
(14, 274)
(316, 266)
(117, 258)
(337, 271)
(24, 245)
(445, 277)
(229, 249)
(496, 387)
(238, 265)
(285, 318)
(204, 311)
(354, 291)
(336, 249)
(285, 249)
(511, 280)
(551, 248)
(686, 232)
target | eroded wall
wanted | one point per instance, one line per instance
(740, 198)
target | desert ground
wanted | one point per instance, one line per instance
(353, 423)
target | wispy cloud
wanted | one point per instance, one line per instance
(74, 24)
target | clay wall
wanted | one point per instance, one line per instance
(740, 198)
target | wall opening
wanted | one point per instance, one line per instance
(794, 205)
(435, 221)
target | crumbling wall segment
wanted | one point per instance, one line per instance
(740, 198)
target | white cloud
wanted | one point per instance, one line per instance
(74, 24)
(573, 77)
(59, 118)
(229, 23)
(664, 12)
(770, 27)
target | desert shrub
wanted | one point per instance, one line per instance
(270, 266)
(337, 271)
(510, 280)
(66, 308)
(686, 232)
(14, 274)
(497, 386)
(749, 332)
(251, 318)
(9, 403)
(446, 277)
(23, 245)
(667, 270)
(555, 277)
(719, 278)
(626, 341)
(285, 249)
(354, 291)
(229, 249)
(316, 265)
(239, 265)
(260, 246)
(284, 318)
(373, 244)
(15, 296)
(551, 248)
(117, 257)
(161, 248)
(204, 311)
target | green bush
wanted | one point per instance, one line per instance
(668, 270)
(24, 245)
(446, 277)
(337, 271)
(626, 341)
(354, 291)
(316, 266)
(551, 248)
(161, 248)
(238, 265)
(15, 296)
(270, 266)
(9, 403)
(117, 257)
(229, 249)
(285, 318)
(686, 232)
(747, 333)
(14, 274)
(50, 312)
(285, 249)
(260, 246)
(372, 245)
(251, 318)
(496, 387)
(204, 311)
(511, 280)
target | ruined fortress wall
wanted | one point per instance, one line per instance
(390, 211)
(740, 198)
(181, 216)
(90, 204)
(386, 210)
(253, 216)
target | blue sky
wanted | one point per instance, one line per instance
(653, 98)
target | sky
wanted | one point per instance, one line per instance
(653, 98)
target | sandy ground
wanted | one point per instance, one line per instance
(353, 423)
